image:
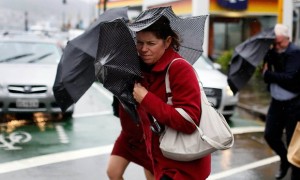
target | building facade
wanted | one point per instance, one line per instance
(230, 21)
(296, 22)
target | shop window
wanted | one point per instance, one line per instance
(228, 33)
(226, 36)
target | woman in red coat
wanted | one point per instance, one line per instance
(157, 46)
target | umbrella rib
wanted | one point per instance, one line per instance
(191, 48)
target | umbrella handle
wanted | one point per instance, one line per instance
(156, 127)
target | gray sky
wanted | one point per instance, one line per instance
(51, 12)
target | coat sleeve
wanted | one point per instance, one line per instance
(290, 78)
(185, 94)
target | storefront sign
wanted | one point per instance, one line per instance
(234, 4)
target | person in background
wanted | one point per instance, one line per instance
(281, 73)
(129, 146)
(157, 46)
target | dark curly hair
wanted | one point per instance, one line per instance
(162, 29)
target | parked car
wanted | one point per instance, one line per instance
(28, 65)
(216, 87)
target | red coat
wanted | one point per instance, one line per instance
(186, 95)
(130, 144)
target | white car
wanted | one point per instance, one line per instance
(28, 65)
(216, 87)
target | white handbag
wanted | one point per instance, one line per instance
(213, 133)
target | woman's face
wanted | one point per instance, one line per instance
(150, 48)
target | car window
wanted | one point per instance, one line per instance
(29, 52)
(203, 63)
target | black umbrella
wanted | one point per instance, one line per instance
(246, 57)
(190, 29)
(76, 72)
(117, 63)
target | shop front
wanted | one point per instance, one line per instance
(296, 22)
(230, 21)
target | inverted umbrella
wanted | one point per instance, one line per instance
(117, 64)
(190, 29)
(246, 57)
(117, 60)
(76, 72)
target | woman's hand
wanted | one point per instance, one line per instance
(139, 92)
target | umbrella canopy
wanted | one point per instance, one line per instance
(111, 43)
(117, 64)
(246, 57)
(190, 29)
(76, 71)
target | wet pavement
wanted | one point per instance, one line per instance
(255, 98)
(79, 149)
(249, 159)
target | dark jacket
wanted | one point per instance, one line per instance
(284, 68)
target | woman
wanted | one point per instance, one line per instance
(129, 147)
(157, 46)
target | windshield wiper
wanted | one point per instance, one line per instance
(40, 58)
(15, 57)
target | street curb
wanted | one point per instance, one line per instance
(261, 111)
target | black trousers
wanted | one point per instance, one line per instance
(282, 115)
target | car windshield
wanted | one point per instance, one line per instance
(203, 63)
(25, 52)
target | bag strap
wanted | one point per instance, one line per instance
(167, 82)
(168, 89)
(188, 117)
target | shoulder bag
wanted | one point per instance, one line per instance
(211, 135)
(294, 147)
